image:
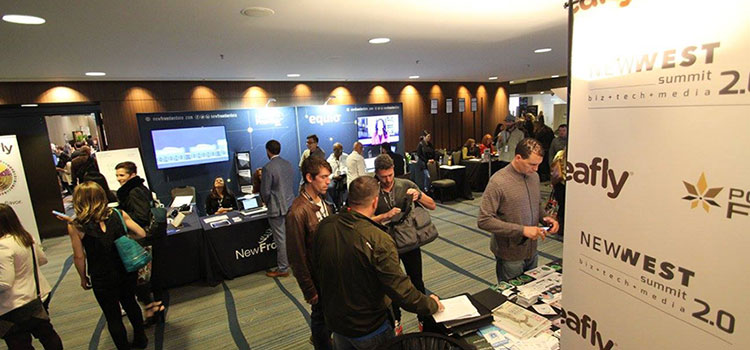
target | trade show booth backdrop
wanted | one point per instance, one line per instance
(658, 194)
(248, 130)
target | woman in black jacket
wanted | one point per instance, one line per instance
(426, 154)
(220, 200)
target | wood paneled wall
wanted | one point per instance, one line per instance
(121, 100)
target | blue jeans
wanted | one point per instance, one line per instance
(279, 236)
(426, 178)
(507, 270)
(367, 342)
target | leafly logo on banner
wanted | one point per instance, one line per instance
(582, 325)
(588, 4)
(737, 203)
(589, 174)
(263, 247)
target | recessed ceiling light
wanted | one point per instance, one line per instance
(30, 105)
(555, 76)
(293, 75)
(413, 77)
(546, 49)
(379, 40)
(24, 19)
(257, 12)
(512, 82)
(95, 74)
(541, 93)
(492, 78)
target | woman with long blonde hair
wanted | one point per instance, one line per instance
(93, 233)
(21, 282)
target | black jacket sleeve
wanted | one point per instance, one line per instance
(212, 205)
(140, 206)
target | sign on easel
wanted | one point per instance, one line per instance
(656, 231)
(13, 188)
(107, 160)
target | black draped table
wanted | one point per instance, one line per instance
(457, 173)
(477, 174)
(197, 251)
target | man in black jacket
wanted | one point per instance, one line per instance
(398, 160)
(133, 196)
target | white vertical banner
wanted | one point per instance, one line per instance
(13, 188)
(658, 191)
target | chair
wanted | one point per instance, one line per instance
(456, 157)
(424, 341)
(438, 183)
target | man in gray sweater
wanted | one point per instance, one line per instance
(512, 209)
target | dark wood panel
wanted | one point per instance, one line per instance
(120, 101)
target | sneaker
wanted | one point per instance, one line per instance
(398, 328)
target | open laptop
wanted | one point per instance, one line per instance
(250, 204)
(370, 165)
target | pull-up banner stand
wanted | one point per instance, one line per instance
(13, 188)
(658, 180)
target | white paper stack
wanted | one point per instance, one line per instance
(518, 321)
(456, 308)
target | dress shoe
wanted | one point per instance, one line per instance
(277, 273)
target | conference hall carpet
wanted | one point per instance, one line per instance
(257, 312)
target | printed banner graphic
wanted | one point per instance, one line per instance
(658, 195)
(13, 188)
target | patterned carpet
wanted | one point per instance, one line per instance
(257, 312)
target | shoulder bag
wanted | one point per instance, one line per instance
(27, 312)
(132, 254)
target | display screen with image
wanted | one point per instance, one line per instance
(375, 130)
(189, 146)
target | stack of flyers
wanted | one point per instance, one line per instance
(552, 295)
(518, 321)
(540, 271)
(495, 336)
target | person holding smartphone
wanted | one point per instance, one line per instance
(220, 200)
(512, 209)
(92, 234)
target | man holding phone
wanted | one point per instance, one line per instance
(512, 209)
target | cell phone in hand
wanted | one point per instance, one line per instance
(55, 212)
(546, 228)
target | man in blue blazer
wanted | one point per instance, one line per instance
(277, 191)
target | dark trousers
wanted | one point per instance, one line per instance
(19, 337)
(110, 297)
(321, 336)
(560, 198)
(413, 265)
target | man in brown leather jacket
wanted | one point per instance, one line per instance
(357, 270)
(307, 210)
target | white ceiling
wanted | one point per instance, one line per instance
(467, 40)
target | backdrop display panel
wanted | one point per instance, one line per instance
(342, 123)
(189, 146)
(657, 193)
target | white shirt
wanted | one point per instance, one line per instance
(355, 167)
(17, 286)
(338, 166)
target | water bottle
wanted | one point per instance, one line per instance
(369, 154)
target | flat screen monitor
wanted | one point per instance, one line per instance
(378, 129)
(189, 146)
